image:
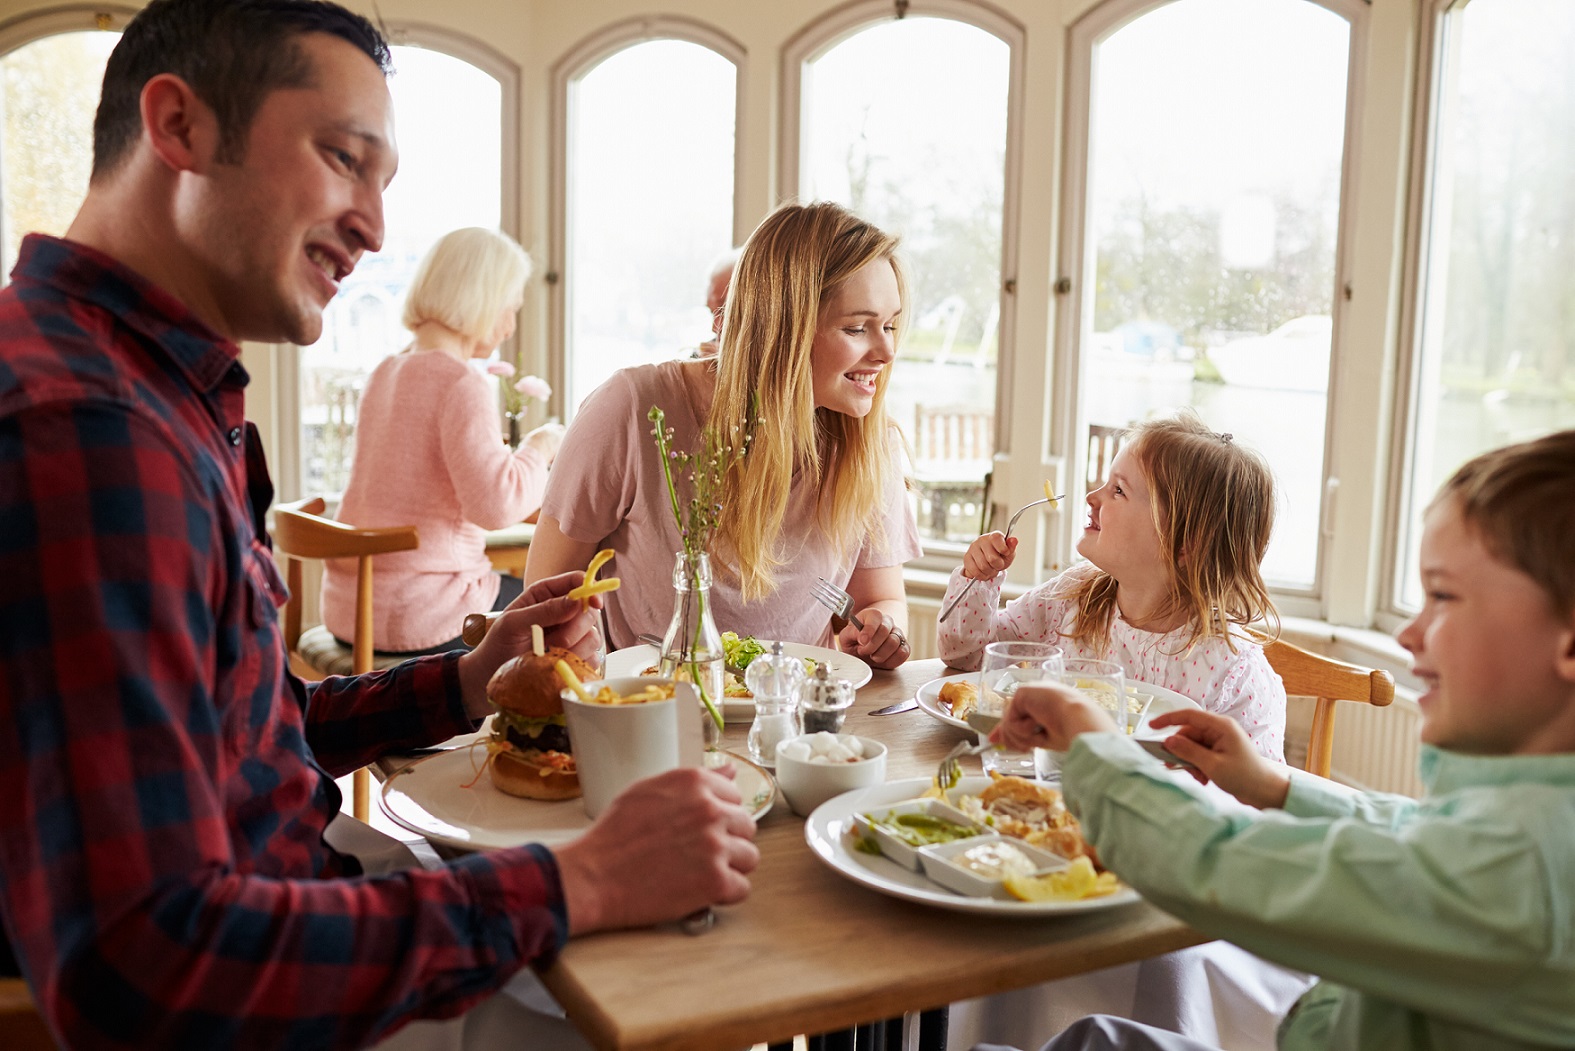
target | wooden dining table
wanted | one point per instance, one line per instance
(810, 951)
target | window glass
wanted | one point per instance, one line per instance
(1217, 132)
(448, 117)
(905, 123)
(1496, 354)
(650, 206)
(51, 92)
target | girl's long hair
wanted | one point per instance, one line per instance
(765, 392)
(1213, 507)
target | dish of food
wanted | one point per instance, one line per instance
(830, 834)
(528, 749)
(429, 797)
(929, 698)
(741, 708)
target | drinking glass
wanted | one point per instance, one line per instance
(1104, 683)
(1007, 666)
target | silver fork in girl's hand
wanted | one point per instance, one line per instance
(835, 599)
(1010, 523)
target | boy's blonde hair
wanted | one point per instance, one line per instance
(466, 281)
(765, 390)
(1520, 500)
(1213, 507)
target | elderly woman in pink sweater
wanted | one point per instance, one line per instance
(428, 453)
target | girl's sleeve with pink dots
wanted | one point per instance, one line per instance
(1254, 697)
(978, 620)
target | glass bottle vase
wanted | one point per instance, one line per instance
(692, 647)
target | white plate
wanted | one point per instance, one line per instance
(635, 659)
(429, 797)
(929, 698)
(828, 833)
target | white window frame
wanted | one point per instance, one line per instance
(1432, 38)
(1074, 266)
(815, 40)
(566, 74)
(283, 416)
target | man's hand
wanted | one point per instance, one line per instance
(668, 846)
(1049, 716)
(1222, 753)
(564, 621)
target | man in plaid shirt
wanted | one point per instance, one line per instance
(166, 782)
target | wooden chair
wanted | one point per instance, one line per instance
(22, 1028)
(1103, 444)
(300, 532)
(1329, 681)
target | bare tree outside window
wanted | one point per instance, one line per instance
(905, 123)
(1496, 355)
(1217, 135)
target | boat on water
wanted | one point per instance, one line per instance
(1294, 356)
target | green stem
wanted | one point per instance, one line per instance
(694, 667)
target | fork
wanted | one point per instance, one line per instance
(950, 769)
(835, 599)
(1010, 523)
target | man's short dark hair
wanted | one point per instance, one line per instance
(232, 53)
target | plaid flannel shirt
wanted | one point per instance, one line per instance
(163, 778)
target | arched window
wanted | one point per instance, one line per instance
(454, 109)
(907, 121)
(1203, 241)
(51, 67)
(1493, 348)
(646, 158)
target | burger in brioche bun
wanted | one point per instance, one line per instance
(531, 753)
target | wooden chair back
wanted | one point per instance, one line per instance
(1328, 681)
(301, 532)
(22, 1028)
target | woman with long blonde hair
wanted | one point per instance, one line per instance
(812, 486)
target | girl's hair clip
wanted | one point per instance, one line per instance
(1226, 437)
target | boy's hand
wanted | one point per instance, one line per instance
(990, 554)
(1049, 716)
(1220, 750)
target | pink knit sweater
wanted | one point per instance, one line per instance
(428, 454)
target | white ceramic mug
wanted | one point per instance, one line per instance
(616, 745)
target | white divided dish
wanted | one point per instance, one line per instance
(904, 853)
(946, 864)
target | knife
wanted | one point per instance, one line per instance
(898, 708)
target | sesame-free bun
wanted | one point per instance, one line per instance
(529, 684)
(520, 777)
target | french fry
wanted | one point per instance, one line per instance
(538, 640)
(592, 586)
(1050, 495)
(573, 682)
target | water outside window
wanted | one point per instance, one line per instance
(1216, 139)
(905, 123)
(1496, 361)
(448, 119)
(650, 188)
(50, 94)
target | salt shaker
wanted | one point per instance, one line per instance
(774, 678)
(824, 701)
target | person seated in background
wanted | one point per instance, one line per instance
(1444, 922)
(716, 285)
(807, 347)
(166, 878)
(428, 453)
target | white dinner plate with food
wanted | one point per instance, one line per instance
(830, 834)
(430, 797)
(929, 698)
(635, 659)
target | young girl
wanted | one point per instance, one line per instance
(1174, 540)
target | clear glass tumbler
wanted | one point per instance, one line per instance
(1007, 666)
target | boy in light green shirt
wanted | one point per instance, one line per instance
(1447, 922)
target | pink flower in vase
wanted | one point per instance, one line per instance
(500, 368)
(533, 387)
